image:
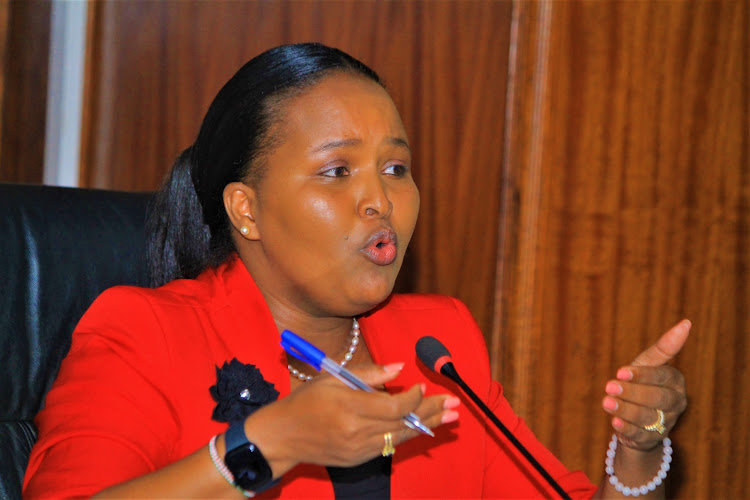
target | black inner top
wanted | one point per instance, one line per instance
(368, 481)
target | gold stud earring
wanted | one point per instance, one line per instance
(245, 230)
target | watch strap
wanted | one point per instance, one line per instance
(251, 461)
(235, 436)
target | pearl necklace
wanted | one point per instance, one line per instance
(348, 357)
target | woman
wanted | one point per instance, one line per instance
(292, 210)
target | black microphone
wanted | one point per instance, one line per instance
(436, 357)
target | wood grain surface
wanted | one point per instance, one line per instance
(25, 32)
(4, 29)
(626, 209)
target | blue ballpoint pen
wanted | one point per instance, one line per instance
(305, 351)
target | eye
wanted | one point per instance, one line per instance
(335, 172)
(396, 169)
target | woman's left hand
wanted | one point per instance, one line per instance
(646, 385)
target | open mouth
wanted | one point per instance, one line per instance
(381, 248)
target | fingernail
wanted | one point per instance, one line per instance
(610, 404)
(624, 374)
(613, 388)
(423, 388)
(451, 402)
(617, 423)
(449, 416)
(394, 367)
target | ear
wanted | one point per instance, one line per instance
(240, 202)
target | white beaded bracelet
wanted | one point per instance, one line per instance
(223, 469)
(638, 490)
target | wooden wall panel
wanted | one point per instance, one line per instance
(463, 58)
(4, 28)
(626, 201)
(153, 68)
(24, 90)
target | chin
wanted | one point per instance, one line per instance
(372, 293)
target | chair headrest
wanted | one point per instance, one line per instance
(61, 247)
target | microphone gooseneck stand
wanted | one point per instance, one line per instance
(450, 371)
(437, 358)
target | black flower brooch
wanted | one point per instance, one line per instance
(239, 391)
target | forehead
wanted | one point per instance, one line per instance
(340, 106)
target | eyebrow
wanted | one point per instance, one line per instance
(342, 143)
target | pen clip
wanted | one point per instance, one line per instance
(301, 349)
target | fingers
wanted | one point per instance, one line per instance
(666, 347)
(639, 407)
(382, 412)
(633, 400)
(377, 375)
(438, 409)
(660, 376)
(644, 387)
(433, 412)
(343, 427)
(389, 411)
(666, 398)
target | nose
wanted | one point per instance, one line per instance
(374, 201)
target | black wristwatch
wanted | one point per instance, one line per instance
(248, 465)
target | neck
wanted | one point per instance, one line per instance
(331, 334)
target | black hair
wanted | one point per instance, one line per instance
(188, 226)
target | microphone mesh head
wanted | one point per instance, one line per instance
(429, 350)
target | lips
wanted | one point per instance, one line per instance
(381, 247)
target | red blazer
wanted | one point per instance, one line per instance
(132, 394)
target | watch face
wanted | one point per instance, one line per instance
(250, 469)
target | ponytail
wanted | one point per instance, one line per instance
(178, 240)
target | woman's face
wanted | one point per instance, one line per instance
(337, 206)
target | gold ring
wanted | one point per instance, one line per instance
(388, 449)
(657, 426)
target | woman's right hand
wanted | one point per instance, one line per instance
(327, 423)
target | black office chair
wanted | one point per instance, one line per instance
(61, 247)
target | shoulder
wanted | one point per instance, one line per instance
(184, 292)
(416, 303)
(426, 310)
(412, 316)
(149, 317)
